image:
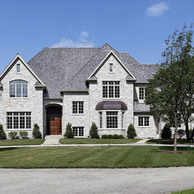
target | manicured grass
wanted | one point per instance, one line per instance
(189, 191)
(94, 157)
(97, 141)
(21, 142)
(169, 141)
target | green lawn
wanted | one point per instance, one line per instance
(97, 141)
(21, 142)
(94, 157)
(189, 191)
(169, 141)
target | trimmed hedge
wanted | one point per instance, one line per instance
(36, 132)
(69, 132)
(13, 135)
(115, 136)
(23, 134)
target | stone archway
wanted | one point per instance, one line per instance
(54, 120)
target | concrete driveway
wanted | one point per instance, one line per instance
(148, 180)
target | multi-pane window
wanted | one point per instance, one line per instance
(18, 68)
(143, 121)
(18, 88)
(141, 93)
(100, 115)
(78, 107)
(78, 131)
(18, 120)
(112, 119)
(111, 89)
(122, 120)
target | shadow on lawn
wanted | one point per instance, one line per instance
(7, 149)
(179, 149)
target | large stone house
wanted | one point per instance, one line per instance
(79, 86)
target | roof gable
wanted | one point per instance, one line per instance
(103, 61)
(11, 64)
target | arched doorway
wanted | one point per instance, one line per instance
(54, 120)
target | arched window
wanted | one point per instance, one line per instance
(18, 88)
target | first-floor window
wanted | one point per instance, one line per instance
(112, 119)
(78, 131)
(143, 121)
(100, 115)
(18, 120)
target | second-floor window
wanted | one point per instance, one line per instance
(111, 89)
(141, 93)
(18, 88)
(78, 107)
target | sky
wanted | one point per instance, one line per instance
(139, 27)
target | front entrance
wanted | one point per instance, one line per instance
(54, 120)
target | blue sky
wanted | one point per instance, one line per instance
(139, 27)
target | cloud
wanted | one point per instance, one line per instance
(157, 9)
(81, 42)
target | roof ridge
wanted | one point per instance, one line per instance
(37, 54)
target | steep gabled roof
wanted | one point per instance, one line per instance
(16, 58)
(67, 69)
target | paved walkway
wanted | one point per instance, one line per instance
(70, 181)
(52, 139)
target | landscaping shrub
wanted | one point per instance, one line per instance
(23, 134)
(115, 136)
(69, 132)
(180, 133)
(109, 136)
(131, 133)
(13, 134)
(2, 133)
(36, 132)
(120, 137)
(166, 132)
(94, 131)
(104, 136)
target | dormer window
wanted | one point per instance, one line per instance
(18, 68)
(110, 67)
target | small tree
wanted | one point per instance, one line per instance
(166, 132)
(2, 133)
(36, 132)
(180, 133)
(94, 131)
(69, 132)
(131, 133)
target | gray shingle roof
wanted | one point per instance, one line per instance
(56, 66)
(66, 69)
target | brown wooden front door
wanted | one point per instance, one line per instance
(55, 125)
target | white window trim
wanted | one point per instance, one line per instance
(114, 85)
(78, 108)
(19, 115)
(22, 86)
(143, 121)
(78, 128)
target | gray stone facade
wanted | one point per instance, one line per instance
(77, 75)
